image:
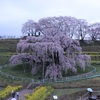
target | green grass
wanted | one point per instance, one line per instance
(94, 55)
(5, 56)
(8, 45)
(7, 53)
(60, 92)
(91, 53)
(79, 71)
(18, 71)
(7, 49)
(4, 60)
(95, 62)
(97, 65)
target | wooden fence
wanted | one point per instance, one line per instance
(90, 74)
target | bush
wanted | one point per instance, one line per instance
(40, 93)
(7, 91)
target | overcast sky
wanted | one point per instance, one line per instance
(13, 13)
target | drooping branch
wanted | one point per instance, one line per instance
(53, 52)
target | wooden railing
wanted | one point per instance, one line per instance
(91, 74)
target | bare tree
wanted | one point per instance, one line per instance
(81, 31)
(29, 27)
(94, 31)
(70, 26)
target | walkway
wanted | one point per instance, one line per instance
(22, 93)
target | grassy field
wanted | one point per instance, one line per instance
(70, 90)
(74, 90)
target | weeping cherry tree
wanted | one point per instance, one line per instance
(53, 53)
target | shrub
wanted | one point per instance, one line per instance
(7, 91)
(40, 93)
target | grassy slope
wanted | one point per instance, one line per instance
(7, 48)
(8, 45)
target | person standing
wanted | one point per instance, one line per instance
(17, 94)
(90, 91)
(13, 94)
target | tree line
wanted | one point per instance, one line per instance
(72, 27)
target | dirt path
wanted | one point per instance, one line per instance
(22, 93)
